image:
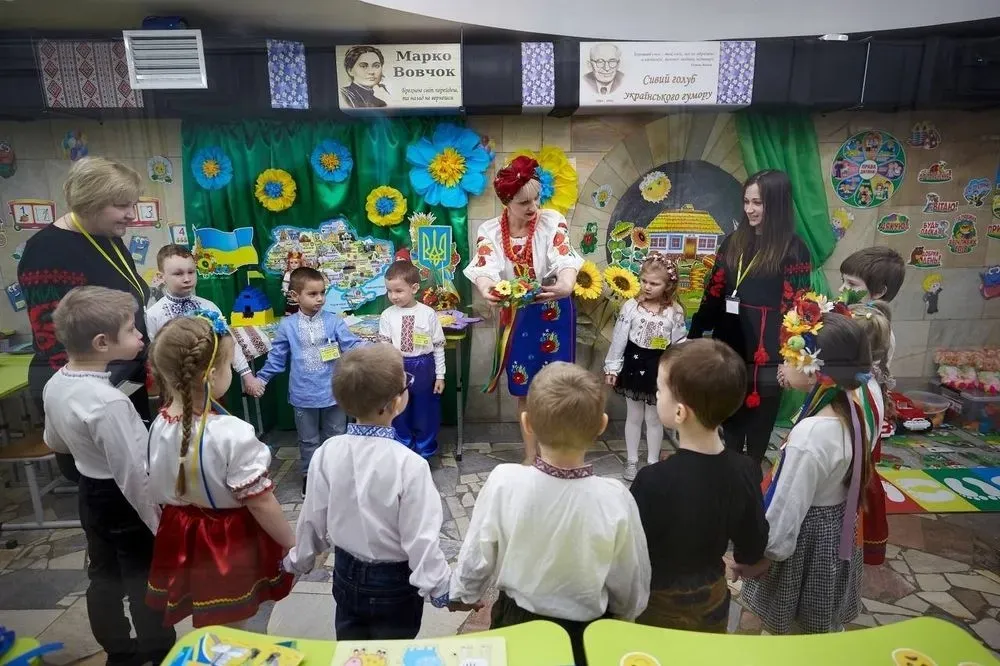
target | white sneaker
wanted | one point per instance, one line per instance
(631, 469)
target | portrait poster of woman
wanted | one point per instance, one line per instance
(364, 67)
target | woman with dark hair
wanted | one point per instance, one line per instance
(759, 270)
(364, 65)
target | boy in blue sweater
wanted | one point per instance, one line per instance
(314, 339)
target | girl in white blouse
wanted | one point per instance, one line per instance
(646, 326)
(222, 534)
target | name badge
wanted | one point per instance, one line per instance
(421, 339)
(732, 305)
(330, 352)
(658, 343)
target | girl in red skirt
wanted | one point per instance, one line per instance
(222, 535)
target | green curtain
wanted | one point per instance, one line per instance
(379, 151)
(787, 141)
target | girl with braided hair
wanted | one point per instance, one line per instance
(222, 534)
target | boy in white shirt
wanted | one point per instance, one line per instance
(376, 502)
(563, 544)
(180, 277)
(95, 422)
(413, 328)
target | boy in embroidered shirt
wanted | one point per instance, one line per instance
(176, 267)
(878, 272)
(376, 502)
(564, 545)
(315, 340)
(414, 329)
(95, 422)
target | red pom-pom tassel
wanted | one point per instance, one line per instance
(753, 400)
(760, 357)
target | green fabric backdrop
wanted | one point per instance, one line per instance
(787, 141)
(379, 152)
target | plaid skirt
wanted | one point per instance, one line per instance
(813, 588)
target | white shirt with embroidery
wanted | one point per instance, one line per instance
(561, 543)
(374, 498)
(230, 466)
(644, 329)
(171, 307)
(414, 331)
(96, 423)
(551, 251)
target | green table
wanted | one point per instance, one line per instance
(918, 642)
(13, 380)
(529, 644)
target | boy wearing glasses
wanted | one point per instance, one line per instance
(377, 502)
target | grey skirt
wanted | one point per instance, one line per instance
(814, 588)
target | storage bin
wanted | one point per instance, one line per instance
(933, 405)
(980, 411)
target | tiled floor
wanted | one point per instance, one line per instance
(938, 565)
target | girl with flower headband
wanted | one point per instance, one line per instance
(813, 502)
(531, 242)
(646, 326)
(222, 534)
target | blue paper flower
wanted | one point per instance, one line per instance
(332, 161)
(548, 183)
(212, 168)
(449, 166)
(214, 319)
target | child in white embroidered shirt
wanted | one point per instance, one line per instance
(376, 502)
(413, 328)
(91, 419)
(564, 545)
(176, 265)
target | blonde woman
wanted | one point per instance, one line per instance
(84, 247)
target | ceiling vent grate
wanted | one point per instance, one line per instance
(165, 59)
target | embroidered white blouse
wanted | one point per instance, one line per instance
(645, 329)
(550, 248)
(562, 543)
(230, 466)
(414, 331)
(170, 307)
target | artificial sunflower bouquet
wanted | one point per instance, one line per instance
(513, 294)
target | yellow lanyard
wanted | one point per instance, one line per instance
(741, 274)
(132, 278)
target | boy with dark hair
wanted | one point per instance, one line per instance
(877, 271)
(697, 500)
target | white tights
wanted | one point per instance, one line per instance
(638, 411)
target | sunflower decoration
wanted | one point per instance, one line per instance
(275, 190)
(655, 186)
(622, 282)
(589, 284)
(640, 238)
(386, 206)
(621, 230)
(205, 264)
(212, 168)
(557, 177)
(332, 161)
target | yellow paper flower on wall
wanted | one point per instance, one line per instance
(386, 206)
(275, 190)
(589, 284)
(557, 176)
(622, 282)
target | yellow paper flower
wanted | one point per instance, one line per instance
(557, 176)
(589, 284)
(275, 190)
(793, 324)
(621, 281)
(385, 206)
(502, 287)
(518, 290)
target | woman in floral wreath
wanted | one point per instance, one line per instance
(527, 241)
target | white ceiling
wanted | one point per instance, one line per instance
(676, 20)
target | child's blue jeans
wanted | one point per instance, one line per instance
(375, 600)
(315, 426)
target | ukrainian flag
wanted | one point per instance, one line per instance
(233, 248)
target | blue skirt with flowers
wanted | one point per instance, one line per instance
(542, 333)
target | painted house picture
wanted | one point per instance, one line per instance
(685, 233)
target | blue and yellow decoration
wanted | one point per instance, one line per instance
(275, 190)
(434, 244)
(557, 176)
(222, 252)
(448, 167)
(386, 206)
(332, 161)
(251, 308)
(212, 168)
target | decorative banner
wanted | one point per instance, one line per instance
(138, 247)
(932, 286)
(160, 169)
(933, 229)
(354, 266)
(434, 250)
(179, 235)
(976, 191)
(538, 76)
(74, 145)
(286, 71)
(924, 135)
(656, 74)
(893, 224)
(400, 76)
(923, 258)
(935, 173)
(8, 160)
(147, 213)
(16, 297)
(31, 213)
(935, 205)
(868, 169)
(990, 287)
(963, 235)
(86, 75)
(222, 252)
